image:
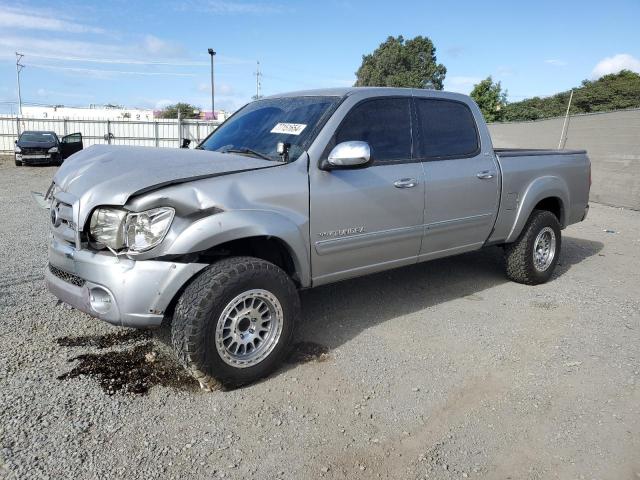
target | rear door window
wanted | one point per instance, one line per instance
(445, 129)
(384, 123)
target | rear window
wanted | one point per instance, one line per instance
(446, 129)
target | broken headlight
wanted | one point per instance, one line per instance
(116, 228)
(145, 230)
(106, 227)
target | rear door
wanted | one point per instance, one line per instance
(461, 175)
(368, 219)
(70, 144)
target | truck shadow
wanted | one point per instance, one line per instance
(336, 313)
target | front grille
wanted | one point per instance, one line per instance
(62, 224)
(66, 276)
(34, 150)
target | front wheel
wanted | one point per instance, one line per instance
(532, 258)
(233, 324)
(18, 163)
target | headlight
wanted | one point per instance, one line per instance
(106, 227)
(138, 231)
(53, 150)
(145, 230)
(17, 149)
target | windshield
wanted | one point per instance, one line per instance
(38, 137)
(258, 127)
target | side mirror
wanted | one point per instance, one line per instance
(352, 154)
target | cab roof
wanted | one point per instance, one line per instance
(373, 91)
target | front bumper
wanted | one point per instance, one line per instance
(40, 159)
(119, 290)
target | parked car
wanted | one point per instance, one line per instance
(292, 192)
(35, 147)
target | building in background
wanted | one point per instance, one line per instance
(93, 112)
(220, 115)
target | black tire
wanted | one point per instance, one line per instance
(201, 305)
(18, 163)
(519, 255)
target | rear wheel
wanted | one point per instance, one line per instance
(532, 258)
(233, 324)
(18, 163)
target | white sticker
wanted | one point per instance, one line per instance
(289, 128)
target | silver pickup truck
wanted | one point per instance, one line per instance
(295, 191)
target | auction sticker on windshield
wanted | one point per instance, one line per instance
(289, 128)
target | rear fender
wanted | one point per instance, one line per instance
(539, 189)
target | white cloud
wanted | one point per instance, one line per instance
(41, 20)
(222, 88)
(151, 51)
(455, 51)
(504, 71)
(555, 62)
(161, 104)
(101, 73)
(228, 7)
(159, 47)
(52, 46)
(46, 93)
(621, 61)
(460, 84)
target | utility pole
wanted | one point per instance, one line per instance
(258, 74)
(212, 53)
(563, 137)
(19, 68)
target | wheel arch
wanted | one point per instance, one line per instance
(545, 193)
(257, 233)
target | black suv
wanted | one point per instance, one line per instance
(45, 147)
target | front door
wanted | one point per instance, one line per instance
(462, 178)
(368, 219)
(70, 144)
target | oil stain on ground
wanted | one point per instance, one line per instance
(105, 341)
(133, 370)
(303, 352)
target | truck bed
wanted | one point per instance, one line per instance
(563, 174)
(532, 152)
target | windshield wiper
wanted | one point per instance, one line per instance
(248, 151)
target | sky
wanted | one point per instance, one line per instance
(147, 54)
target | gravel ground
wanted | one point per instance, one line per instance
(441, 370)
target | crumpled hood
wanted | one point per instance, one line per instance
(110, 174)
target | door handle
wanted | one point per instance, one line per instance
(485, 175)
(405, 183)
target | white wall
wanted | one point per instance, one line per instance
(90, 113)
(612, 141)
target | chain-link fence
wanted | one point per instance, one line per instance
(157, 133)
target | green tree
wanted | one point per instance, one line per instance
(399, 63)
(615, 91)
(490, 98)
(186, 111)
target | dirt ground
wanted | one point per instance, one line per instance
(442, 370)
